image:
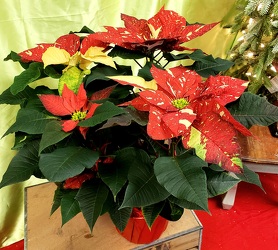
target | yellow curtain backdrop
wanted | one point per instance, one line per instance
(24, 23)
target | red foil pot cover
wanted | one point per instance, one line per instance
(137, 230)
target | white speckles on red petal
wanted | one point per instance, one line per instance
(29, 53)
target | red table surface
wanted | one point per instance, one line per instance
(251, 224)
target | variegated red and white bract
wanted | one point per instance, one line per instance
(165, 31)
(214, 141)
(69, 43)
(69, 50)
(185, 105)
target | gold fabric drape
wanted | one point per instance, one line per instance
(23, 23)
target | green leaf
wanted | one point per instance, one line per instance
(23, 165)
(199, 55)
(171, 211)
(41, 89)
(58, 195)
(85, 29)
(17, 58)
(251, 109)
(13, 56)
(143, 188)
(216, 167)
(204, 64)
(250, 177)
(184, 203)
(53, 71)
(69, 206)
(52, 134)
(172, 57)
(36, 104)
(91, 197)
(101, 72)
(212, 68)
(219, 182)
(108, 204)
(30, 121)
(114, 175)
(27, 76)
(119, 216)
(145, 71)
(21, 139)
(120, 92)
(183, 177)
(64, 163)
(121, 120)
(126, 119)
(158, 149)
(139, 117)
(151, 212)
(104, 112)
(8, 98)
(125, 53)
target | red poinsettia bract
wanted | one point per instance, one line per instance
(89, 41)
(75, 105)
(166, 31)
(76, 181)
(184, 105)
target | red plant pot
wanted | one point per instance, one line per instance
(137, 230)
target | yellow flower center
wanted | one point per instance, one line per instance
(180, 103)
(78, 115)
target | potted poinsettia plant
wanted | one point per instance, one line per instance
(144, 133)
